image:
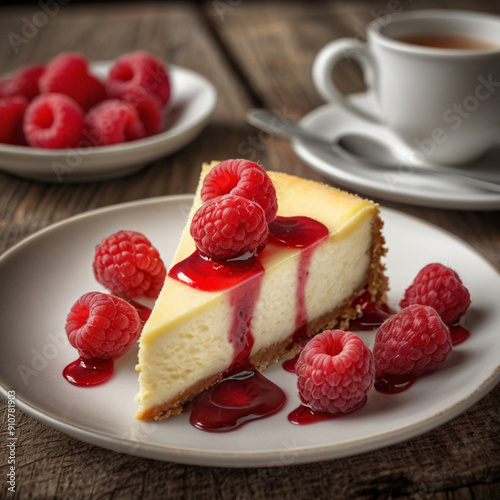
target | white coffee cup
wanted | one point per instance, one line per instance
(444, 103)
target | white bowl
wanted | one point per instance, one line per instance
(190, 108)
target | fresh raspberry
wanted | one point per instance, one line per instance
(139, 69)
(412, 342)
(242, 178)
(229, 226)
(113, 122)
(12, 111)
(5, 87)
(149, 108)
(335, 371)
(53, 121)
(440, 287)
(102, 326)
(128, 265)
(68, 73)
(24, 82)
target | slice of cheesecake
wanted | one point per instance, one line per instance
(211, 320)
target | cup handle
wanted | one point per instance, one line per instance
(326, 60)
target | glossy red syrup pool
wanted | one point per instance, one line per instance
(88, 372)
(236, 400)
(458, 334)
(303, 415)
(143, 311)
(296, 232)
(393, 384)
(371, 317)
(289, 364)
(212, 275)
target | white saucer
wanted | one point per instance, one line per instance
(42, 276)
(400, 185)
(192, 104)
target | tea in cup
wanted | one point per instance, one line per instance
(436, 77)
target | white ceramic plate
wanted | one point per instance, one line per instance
(42, 277)
(192, 104)
(401, 185)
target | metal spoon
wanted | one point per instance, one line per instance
(354, 148)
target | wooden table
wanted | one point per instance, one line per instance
(256, 54)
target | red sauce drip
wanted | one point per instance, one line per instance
(289, 364)
(458, 334)
(303, 415)
(236, 400)
(301, 311)
(299, 232)
(143, 311)
(243, 301)
(88, 372)
(371, 317)
(296, 232)
(213, 275)
(393, 384)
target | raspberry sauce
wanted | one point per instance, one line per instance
(299, 232)
(143, 311)
(212, 275)
(393, 384)
(87, 372)
(371, 317)
(458, 334)
(289, 364)
(243, 301)
(296, 232)
(303, 415)
(236, 400)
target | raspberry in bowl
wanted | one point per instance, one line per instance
(166, 123)
(69, 74)
(12, 111)
(53, 121)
